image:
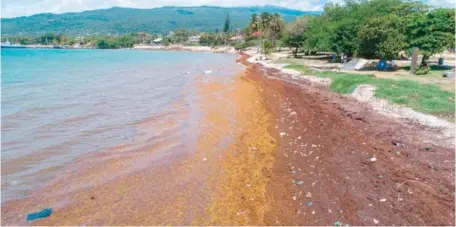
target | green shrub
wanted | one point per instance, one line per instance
(422, 71)
(266, 47)
(241, 46)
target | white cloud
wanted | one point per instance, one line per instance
(442, 3)
(14, 8)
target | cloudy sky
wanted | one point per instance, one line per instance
(14, 8)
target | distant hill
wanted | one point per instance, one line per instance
(125, 20)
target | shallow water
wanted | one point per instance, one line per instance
(59, 106)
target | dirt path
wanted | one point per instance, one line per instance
(338, 162)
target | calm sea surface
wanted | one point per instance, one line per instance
(59, 105)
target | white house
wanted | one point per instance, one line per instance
(157, 40)
(194, 39)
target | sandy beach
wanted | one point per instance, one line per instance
(271, 150)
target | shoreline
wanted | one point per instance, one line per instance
(203, 49)
(206, 49)
(297, 154)
(339, 161)
(443, 131)
(201, 186)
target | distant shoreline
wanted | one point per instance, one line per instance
(206, 49)
(217, 49)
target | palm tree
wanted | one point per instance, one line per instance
(276, 28)
(264, 23)
(254, 23)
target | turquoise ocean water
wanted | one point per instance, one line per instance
(59, 105)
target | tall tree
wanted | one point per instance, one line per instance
(264, 23)
(226, 26)
(61, 38)
(296, 32)
(254, 23)
(382, 37)
(276, 28)
(317, 34)
(431, 32)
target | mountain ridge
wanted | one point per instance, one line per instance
(120, 20)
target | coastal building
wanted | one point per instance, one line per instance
(256, 34)
(237, 38)
(157, 41)
(7, 44)
(194, 39)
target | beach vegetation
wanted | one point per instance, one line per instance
(212, 39)
(300, 68)
(266, 47)
(276, 29)
(294, 37)
(375, 29)
(422, 97)
(431, 32)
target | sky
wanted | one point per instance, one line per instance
(15, 8)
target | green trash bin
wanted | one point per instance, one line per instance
(440, 61)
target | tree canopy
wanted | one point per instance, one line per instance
(375, 29)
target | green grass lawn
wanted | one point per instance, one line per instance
(299, 68)
(426, 98)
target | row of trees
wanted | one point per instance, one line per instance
(268, 28)
(365, 28)
(49, 38)
(103, 42)
(178, 36)
(374, 29)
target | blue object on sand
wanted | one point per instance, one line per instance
(42, 214)
(382, 66)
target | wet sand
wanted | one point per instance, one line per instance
(269, 151)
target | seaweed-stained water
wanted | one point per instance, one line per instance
(60, 106)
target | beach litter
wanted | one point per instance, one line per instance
(300, 182)
(309, 203)
(38, 215)
(373, 159)
(207, 72)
